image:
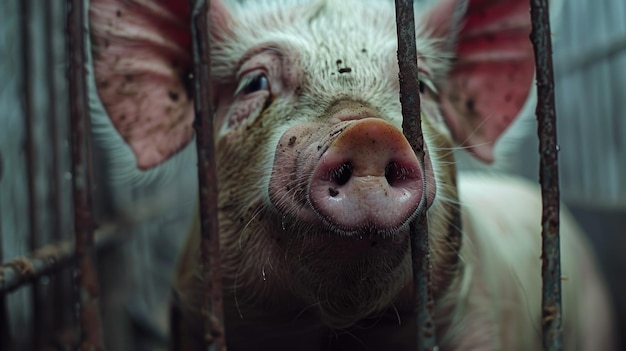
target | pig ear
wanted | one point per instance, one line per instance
(142, 64)
(491, 77)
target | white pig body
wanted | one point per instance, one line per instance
(494, 302)
(318, 185)
(501, 284)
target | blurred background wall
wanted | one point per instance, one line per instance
(590, 65)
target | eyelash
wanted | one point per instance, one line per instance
(246, 82)
(425, 84)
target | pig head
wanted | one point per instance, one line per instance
(317, 183)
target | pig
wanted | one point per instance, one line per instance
(318, 185)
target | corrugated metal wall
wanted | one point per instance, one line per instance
(590, 74)
(52, 221)
(592, 90)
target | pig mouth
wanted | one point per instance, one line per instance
(306, 236)
(308, 230)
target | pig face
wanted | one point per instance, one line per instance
(335, 182)
(317, 183)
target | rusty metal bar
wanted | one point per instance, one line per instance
(53, 257)
(411, 125)
(87, 290)
(548, 177)
(58, 289)
(49, 259)
(5, 335)
(31, 159)
(207, 175)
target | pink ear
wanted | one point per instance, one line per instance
(490, 80)
(142, 61)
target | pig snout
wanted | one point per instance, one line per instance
(354, 176)
(369, 176)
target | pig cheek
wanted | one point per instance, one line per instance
(241, 169)
(248, 228)
(291, 174)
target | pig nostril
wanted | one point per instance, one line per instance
(342, 174)
(395, 173)
(390, 172)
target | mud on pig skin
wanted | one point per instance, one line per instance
(318, 184)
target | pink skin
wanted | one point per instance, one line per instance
(362, 174)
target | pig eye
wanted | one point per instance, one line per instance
(426, 86)
(252, 83)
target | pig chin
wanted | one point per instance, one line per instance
(354, 290)
(343, 275)
(345, 278)
(314, 235)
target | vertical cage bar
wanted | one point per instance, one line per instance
(411, 125)
(548, 176)
(31, 169)
(5, 335)
(54, 203)
(210, 250)
(86, 279)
